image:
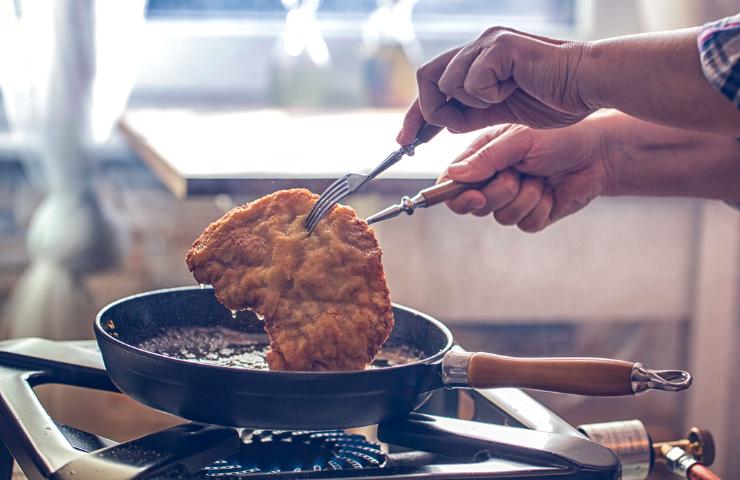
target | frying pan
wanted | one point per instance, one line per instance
(256, 398)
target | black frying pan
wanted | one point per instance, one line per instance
(250, 397)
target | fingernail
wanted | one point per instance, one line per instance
(461, 167)
(475, 203)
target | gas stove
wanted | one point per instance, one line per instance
(510, 435)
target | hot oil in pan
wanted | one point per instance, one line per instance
(231, 348)
(212, 345)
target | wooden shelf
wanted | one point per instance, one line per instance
(259, 151)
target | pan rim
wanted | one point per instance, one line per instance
(100, 331)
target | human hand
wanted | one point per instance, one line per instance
(506, 76)
(544, 175)
(503, 76)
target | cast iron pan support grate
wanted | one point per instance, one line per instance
(44, 451)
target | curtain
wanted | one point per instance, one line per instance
(66, 69)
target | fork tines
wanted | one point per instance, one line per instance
(336, 192)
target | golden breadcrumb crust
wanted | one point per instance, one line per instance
(323, 296)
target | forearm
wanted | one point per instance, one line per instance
(649, 159)
(656, 77)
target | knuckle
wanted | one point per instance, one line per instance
(499, 130)
(532, 186)
(445, 86)
(472, 84)
(506, 39)
(509, 184)
(483, 161)
(422, 72)
(529, 226)
(429, 111)
(493, 31)
(487, 135)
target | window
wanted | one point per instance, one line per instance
(553, 10)
(228, 52)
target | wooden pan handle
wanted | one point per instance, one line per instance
(583, 376)
(448, 190)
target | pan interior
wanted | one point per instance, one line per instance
(189, 324)
(228, 347)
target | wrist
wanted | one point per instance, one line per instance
(591, 72)
(642, 158)
(611, 150)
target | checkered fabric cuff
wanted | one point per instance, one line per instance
(719, 50)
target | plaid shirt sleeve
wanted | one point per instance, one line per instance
(719, 51)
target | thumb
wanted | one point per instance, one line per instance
(500, 153)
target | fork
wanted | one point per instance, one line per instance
(351, 182)
(428, 197)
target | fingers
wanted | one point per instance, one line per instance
(433, 102)
(451, 81)
(497, 194)
(476, 85)
(472, 119)
(412, 122)
(467, 202)
(475, 119)
(514, 200)
(507, 148)
(529, 195)
(527, 110)
(489, 78)
(481, 73)
(500, 192)
(480, 142)
(539, 217)
(444, 79)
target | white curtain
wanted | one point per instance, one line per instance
(66, 69)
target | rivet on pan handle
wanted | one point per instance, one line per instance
(582, 376)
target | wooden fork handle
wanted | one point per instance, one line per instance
(448, 190)
(701, 472)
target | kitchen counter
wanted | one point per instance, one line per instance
(258, 151)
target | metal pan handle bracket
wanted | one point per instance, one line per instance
(455, 367)
(644, 379)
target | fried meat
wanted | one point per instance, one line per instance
(323, 296)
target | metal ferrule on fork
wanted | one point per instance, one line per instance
(407, 205)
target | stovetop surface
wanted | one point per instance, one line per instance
(510, 435)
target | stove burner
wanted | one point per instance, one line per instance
(265, 451)
(511, 436)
